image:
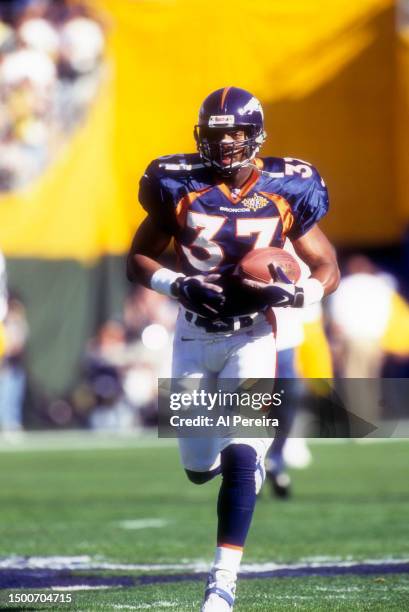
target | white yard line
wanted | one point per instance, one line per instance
(148, 523)
(80, 587)
(86, 562)
(146, 606)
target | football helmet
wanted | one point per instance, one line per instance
(228, 111)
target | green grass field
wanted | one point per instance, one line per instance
(133, 505)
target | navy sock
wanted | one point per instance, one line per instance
(237, 496)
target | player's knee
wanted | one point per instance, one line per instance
(242, 467)
(238, 461)
(201, 477)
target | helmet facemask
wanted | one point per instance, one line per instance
(223, 156)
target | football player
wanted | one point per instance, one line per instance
(217, 205)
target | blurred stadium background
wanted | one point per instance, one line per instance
(90, 92)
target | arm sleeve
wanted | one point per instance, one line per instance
(157, 201)
(309, 204)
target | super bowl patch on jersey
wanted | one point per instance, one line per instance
(255, 202)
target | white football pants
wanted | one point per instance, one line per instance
(247, 353)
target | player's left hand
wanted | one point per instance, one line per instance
(277, 294)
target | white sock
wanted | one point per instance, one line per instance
(227, 562)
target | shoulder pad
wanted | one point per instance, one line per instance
(272, 166)
(290, 167)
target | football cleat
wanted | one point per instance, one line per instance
(219, 595)
(296, 453)
(280, 484)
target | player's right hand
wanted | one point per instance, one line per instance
(200, 294)
(281, 292)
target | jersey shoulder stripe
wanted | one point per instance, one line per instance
(302, 187)
(175, 165)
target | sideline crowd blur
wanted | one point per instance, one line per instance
(13, 338)
(366, 323)
(50, 69)
(117, 387)
(123, 361)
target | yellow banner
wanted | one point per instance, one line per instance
(323, 71)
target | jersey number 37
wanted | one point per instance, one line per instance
(207, 227)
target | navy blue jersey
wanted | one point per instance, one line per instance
(213, 226)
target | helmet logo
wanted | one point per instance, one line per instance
(221, 120)
(252, 106)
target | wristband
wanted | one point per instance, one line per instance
(313, 291)
(163, 279)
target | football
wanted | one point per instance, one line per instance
(260, 264)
